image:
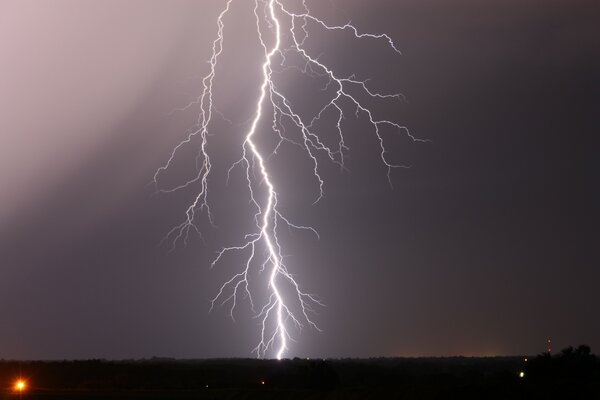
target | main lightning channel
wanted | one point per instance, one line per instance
(271, 200)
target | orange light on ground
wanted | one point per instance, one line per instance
(20, 385)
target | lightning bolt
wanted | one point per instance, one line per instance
(282, 311)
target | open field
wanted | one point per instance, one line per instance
(402, 378)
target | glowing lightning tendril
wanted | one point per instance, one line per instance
(277, 312)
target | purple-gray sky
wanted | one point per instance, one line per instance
(485, 246)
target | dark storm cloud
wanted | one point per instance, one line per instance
(484, 246)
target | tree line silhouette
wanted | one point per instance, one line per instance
(572, 373)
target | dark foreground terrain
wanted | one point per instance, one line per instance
(574, 373)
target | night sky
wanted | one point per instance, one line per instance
(487, 245)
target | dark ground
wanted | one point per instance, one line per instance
(573, 373)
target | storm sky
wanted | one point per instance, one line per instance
(487, 245)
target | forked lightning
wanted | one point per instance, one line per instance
(275, 21)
